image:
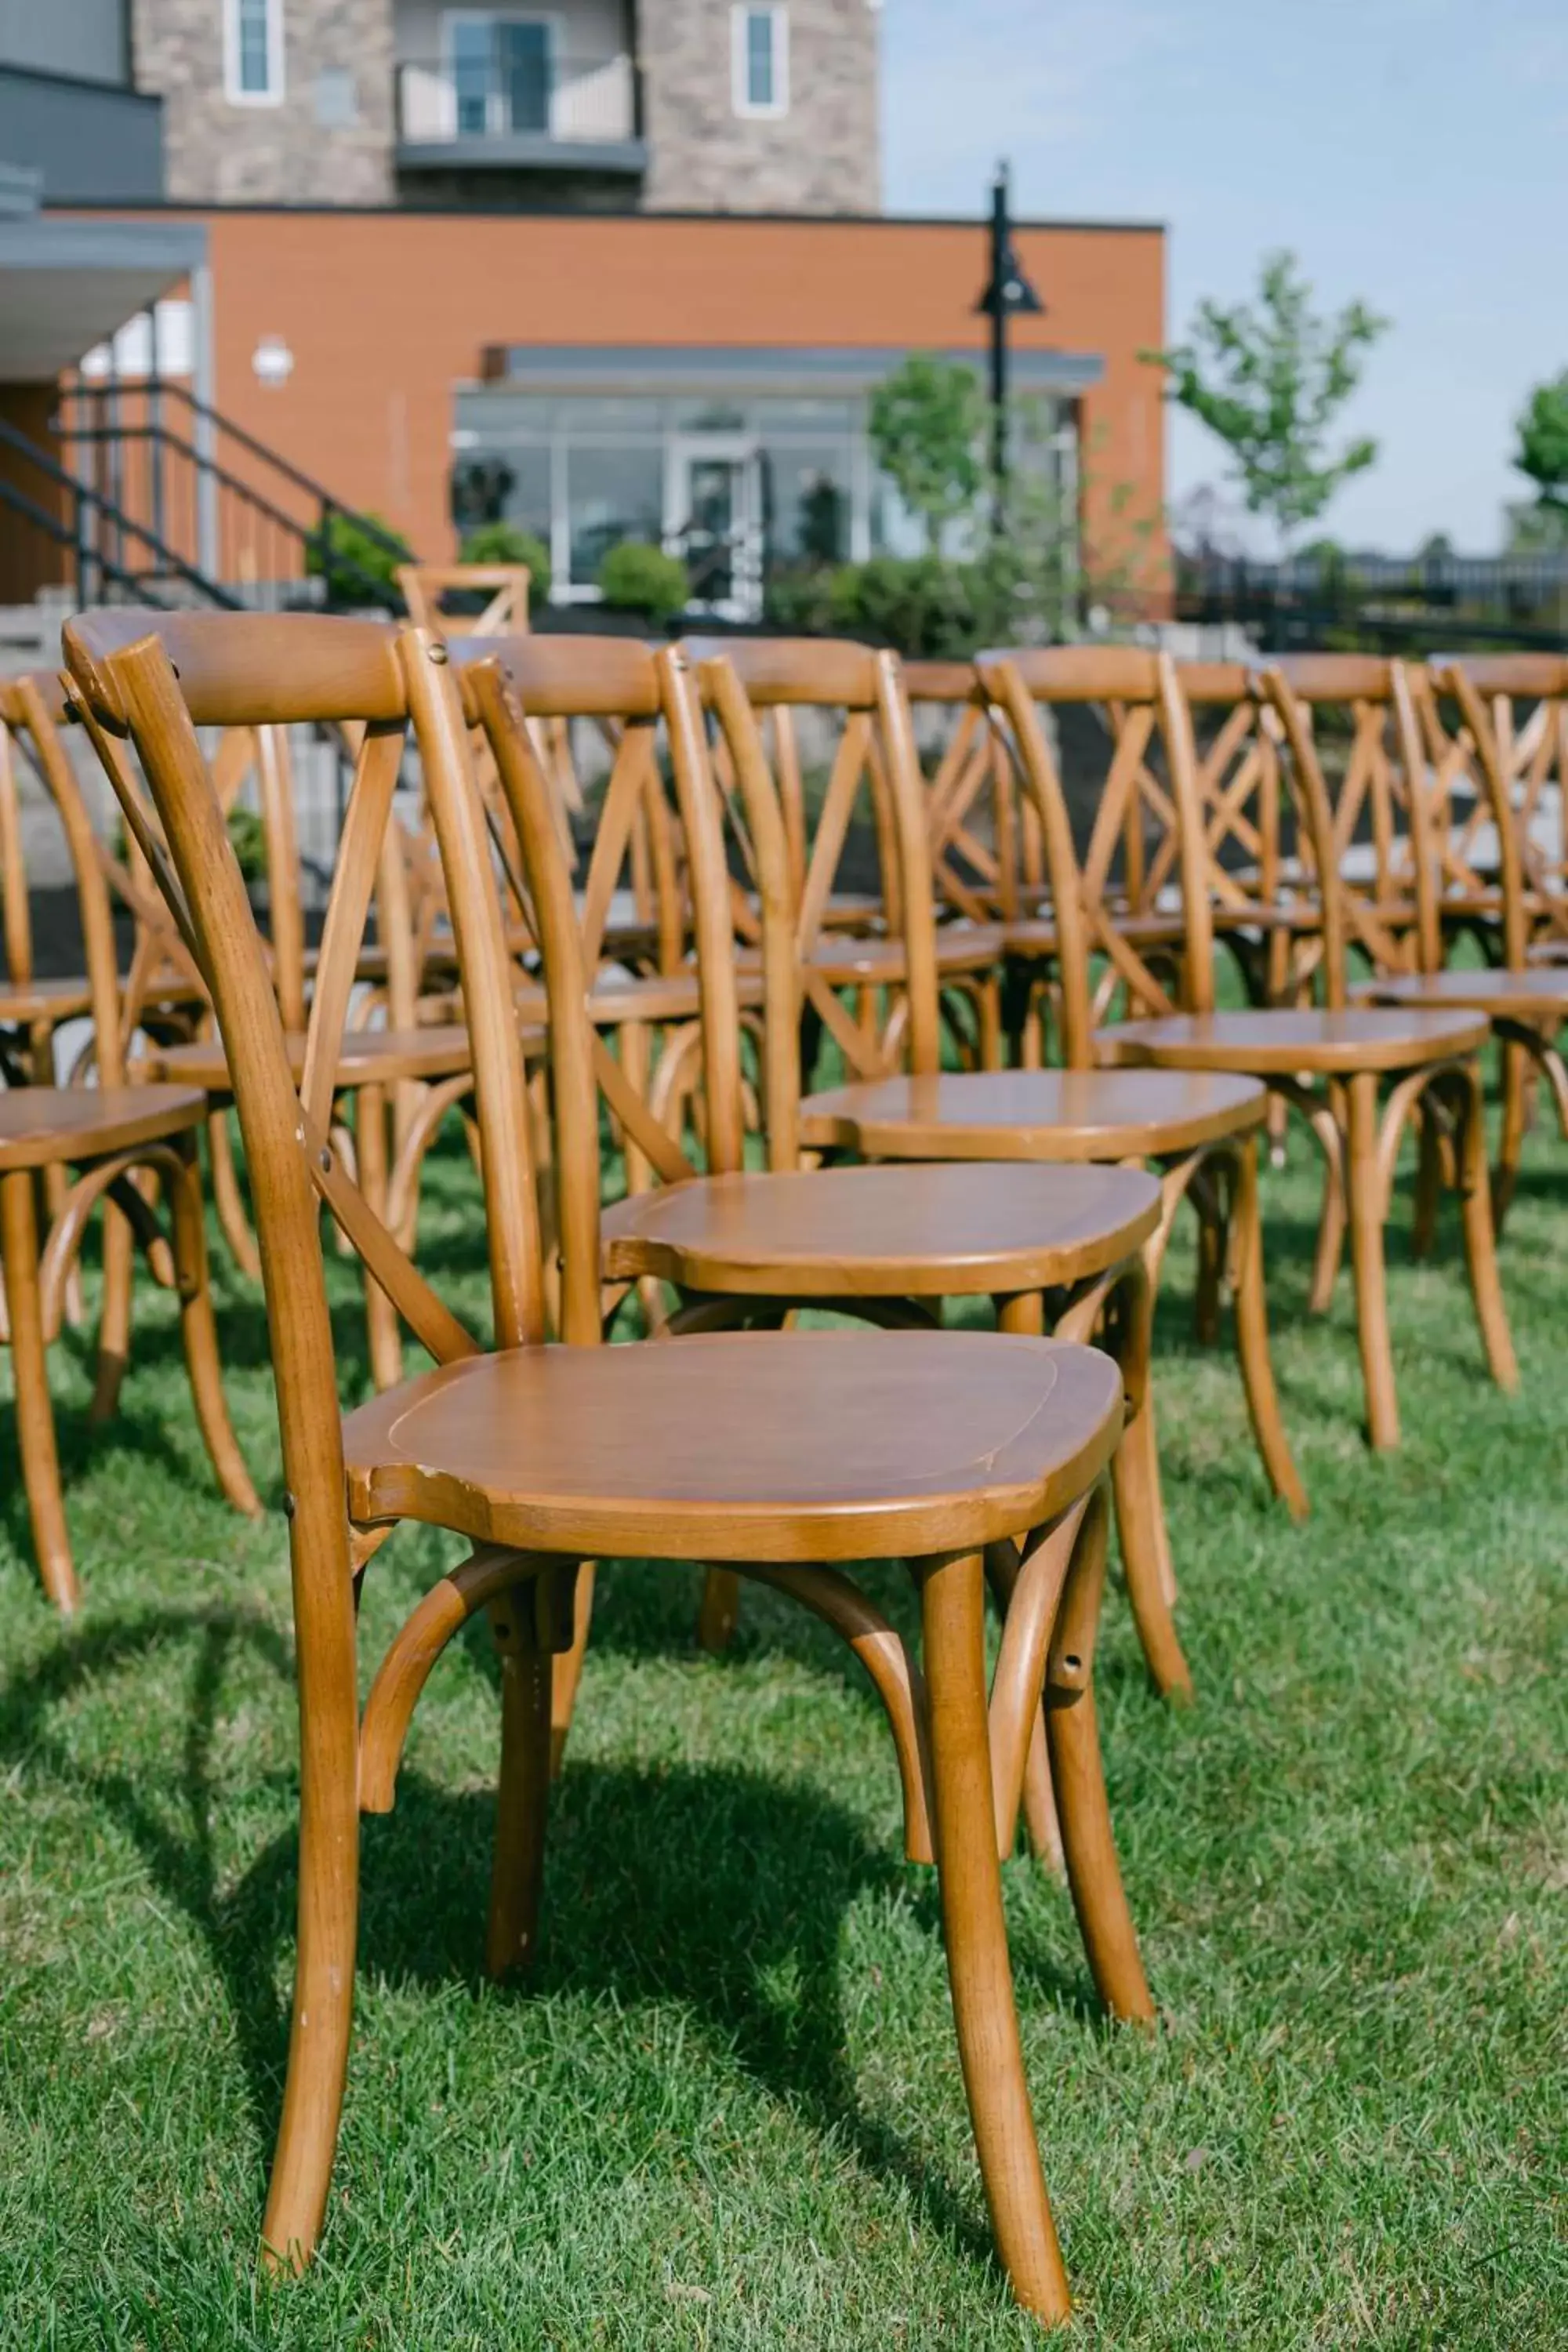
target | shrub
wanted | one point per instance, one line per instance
(507, 542)
(643, 579)
(798, 602)
(247, 839)
(924, 607)
(359, 566)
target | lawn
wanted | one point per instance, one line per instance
(727, 2110)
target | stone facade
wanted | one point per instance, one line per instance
(821, 156)
(330, 138)
(328, 141)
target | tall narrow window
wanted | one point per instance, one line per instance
(503, 72)
(760, 60)
(253, 44)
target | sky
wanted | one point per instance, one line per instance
(1412, 152)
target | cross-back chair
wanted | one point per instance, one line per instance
(882, 1245)
(1334, 1061)
(788, 1454)
(852, 944)
(1199, 1132)
(1480, 877)
(106, 1143)
(394, 1080)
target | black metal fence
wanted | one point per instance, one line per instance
(1430, 604)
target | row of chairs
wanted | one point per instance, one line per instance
(788, 1456)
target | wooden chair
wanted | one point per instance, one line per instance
(788, 1456)
(394, 1084)
(851, 941)
(1526, 1003)
(1334, 1061)
(883, 1244)
(1199, 1131)
(97, 1139)
(425, 586)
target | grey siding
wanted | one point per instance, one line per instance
(89, 144)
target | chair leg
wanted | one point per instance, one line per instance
(567, 1668)
(1039, 1797)
(1516, 1075)
(1139, 1505)
(114, 1322)
(233, 1222)
(1480, 1244)
(1252, 1337)
(953, 1605)
(1331, 1222)
(719, 1611)
(1363, 1184)
(1094, 1874)
(1428, 1188)
(324, 1971)
(30, 1379)
(199, 1333)
(382, 1337)
(523, 1797)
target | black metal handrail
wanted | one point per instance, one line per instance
(91, 565)
(225, 513)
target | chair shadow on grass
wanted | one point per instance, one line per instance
(710, 1885)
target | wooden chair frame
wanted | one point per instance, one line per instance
(962, 1757)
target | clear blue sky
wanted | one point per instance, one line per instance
(1414, 152)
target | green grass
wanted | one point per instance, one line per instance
(728, 2112)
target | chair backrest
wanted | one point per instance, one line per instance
(660, 685)
(1090, 913)
(987, 859)
(1389, 809)
(611, 682)
(860, 694)
(425, 586)
(1511, 745)
(1291, 692)
(155, 688)
(31, 710)
(823, 811)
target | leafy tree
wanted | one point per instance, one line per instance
(1269, 381)
(927, 422)
(1542, 455)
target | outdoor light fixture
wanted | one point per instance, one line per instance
(1008, 295)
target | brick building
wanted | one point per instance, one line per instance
(612, 267)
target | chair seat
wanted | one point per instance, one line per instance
(1084, 1115)
(930, 1231)
(848, 962)
(43, 1000)
(660, 998)
(40, 1126)
(366, 1057)
(1538, 994)
(780, 1447)
(1283, 1042)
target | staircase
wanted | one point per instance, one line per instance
(155, 498)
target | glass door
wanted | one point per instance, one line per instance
(713, 521)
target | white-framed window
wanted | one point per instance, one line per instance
(760, 60)
(502, 66)
(253, 52)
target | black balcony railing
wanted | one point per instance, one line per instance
(506, 86)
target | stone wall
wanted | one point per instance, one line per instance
(822, 156)
(328, 142)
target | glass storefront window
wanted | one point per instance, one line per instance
(806, 495)
(611, 495)
(502, 485)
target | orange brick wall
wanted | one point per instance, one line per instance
(385, 312)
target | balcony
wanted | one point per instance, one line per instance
(506, 99)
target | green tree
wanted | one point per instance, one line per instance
(1542, 452)
(1269, 380)
(927, 422)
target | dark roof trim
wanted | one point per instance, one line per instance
(558, 212)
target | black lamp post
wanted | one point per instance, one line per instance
(1008, 295)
